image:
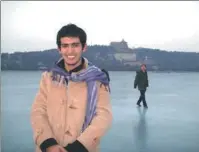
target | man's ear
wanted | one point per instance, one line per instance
(59, 50)
(85, 48)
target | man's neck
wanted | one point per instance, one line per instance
(72, 67)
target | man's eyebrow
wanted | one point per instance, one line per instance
(70, 43)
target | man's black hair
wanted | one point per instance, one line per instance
(71, 30)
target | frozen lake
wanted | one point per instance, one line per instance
(170, 124)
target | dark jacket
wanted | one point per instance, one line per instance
(141, 80)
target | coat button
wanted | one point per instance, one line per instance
(39, 131)
(58, 125)
(62, 101)
(68, 131)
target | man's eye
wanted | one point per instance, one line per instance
(64, 46)
(75, 45)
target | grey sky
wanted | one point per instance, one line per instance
(167, 25)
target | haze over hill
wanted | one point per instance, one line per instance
(116, 57)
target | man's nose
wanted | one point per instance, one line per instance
(70, 49)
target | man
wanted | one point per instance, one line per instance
(141, 80)
(72, 110)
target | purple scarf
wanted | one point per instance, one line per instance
(90, 75)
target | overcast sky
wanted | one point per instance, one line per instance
(32, 26)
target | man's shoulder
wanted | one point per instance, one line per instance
(102, 69)
(107, 74)
(138, 71)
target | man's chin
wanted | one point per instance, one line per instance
(72, 63)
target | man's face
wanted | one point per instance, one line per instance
(71, 50)
(143, 68)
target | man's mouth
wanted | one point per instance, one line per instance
(71, 56)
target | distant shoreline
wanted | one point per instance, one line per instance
(109, 58)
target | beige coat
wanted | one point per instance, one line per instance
(59, 110)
